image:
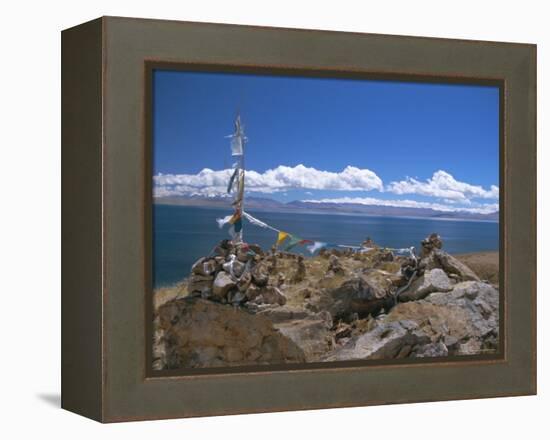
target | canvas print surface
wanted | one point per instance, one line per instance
(312, 220)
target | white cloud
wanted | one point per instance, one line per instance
(452, 194)
(445, 186)
(480, 209)
(281, 178)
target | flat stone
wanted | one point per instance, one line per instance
(222, 284)
(199, 283)
(385, 341)
(435, 280)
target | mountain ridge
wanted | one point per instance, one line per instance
(266, 204)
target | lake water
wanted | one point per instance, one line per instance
(183, 234)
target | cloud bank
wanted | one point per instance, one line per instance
(443, 185)
(209, 182)
(480, 209)
(448, 194)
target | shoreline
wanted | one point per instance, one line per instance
(325, 212)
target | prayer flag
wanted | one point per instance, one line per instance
(316, 246)
(222, 221)
(293, 241)
(237, 145)
(231, 180)
(281, 237)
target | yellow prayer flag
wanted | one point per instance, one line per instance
(281, 237)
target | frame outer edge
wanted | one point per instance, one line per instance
(126, 395)
(81, 214)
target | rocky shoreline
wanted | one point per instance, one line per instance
(245, 306)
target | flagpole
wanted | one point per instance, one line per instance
(242, 168)
(239, 197)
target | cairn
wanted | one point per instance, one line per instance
(235, 274)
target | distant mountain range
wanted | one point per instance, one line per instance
(266, 204)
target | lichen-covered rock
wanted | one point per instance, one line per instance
(310, 331)
(388, 340)
(435, 280)
(313, 336)
(479, 300)
(465, 319)
(198, 333)
(435, 349)
(270, 295)
(451, 265)
(365, 294)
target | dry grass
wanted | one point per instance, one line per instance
(484, 264)
(163, 295)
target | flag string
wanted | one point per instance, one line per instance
(312, 245)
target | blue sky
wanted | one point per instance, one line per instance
(413, 142)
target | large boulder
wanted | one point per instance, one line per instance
(454, 266)
(465, 319)
(360, 295)
(388, 340)
(193, 333)
(313, 336)
(451, 265)
(435, 280)
(481, 303)
(309, 331)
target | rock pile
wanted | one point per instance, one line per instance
(243, 306)
(235, 274)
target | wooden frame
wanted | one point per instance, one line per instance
(106, 218)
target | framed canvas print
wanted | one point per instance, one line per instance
(262, 219)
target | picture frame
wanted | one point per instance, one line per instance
(106, 218)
